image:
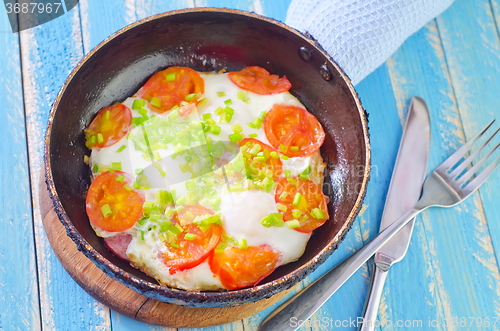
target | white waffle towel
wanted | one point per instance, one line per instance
(361, 34)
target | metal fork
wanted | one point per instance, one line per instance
(444, 187)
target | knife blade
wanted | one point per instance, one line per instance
(404, 191)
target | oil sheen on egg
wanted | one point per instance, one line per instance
(241, 213)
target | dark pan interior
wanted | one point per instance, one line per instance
(208, 40)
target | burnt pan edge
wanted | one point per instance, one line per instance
(193, 298)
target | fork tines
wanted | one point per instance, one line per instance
(466, 181)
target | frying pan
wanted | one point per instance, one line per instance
(208, 39)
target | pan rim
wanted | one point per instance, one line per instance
(197, 298)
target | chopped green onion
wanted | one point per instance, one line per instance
(304, 177)
(86, 159)
(229, 110)
(189, 236)
(236, 128)
(257, 123)
(255, 149)
(142, 235)
(174, 245)
(138, 171)
(163, 197)
(121, 148)
(293, 224)
(144, 113)
(294, 148)
(203, 102)
(254, 135)
(273, 219)
(175, 107)
(283, 148)
(318, 213)
(93, 140)
(173, 115)
(235, 137)
(206, 116)
(296, 213)
(292, 181)
(170, 77)
(219, 111)
(281, 207)
(287, 173)
(242, 243)
(221, 94)
(120, 178)
(127, 188)
(116, 166)
(274, 155)
(211, 121)
(228, 118)
(296, 199)
(252, 125)
(138, 104)
(228, 102)
(100, 138)
(260, 158)
(158, 167)
(147, 207)
(220, 248)
(106, 210)
(262, 116)
(242, 95)
(154, 101)
(190, 97)
(156, 156)
(178, 227)
(283, 195)
(106, 114)
(284, 157)
(215, 130)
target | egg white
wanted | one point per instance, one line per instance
(241, 213)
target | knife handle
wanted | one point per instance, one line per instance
(373, 302)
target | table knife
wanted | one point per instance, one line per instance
(404, 192)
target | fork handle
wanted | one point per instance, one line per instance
(293, 313)
(371, 309)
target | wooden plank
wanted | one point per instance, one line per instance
(477, 96)
(450, 246)
(19, 308)
(48, 53)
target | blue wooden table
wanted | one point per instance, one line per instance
(449, 280)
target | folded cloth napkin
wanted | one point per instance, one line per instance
(361, 34)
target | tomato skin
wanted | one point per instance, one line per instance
(272, 164)
(112, 129)
(172, 93)
(126, 205)
(238, 268)
(191, 252)
(258, 80)
(312, 197)
(293, 126)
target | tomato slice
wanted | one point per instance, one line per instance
(238, 268)
(191, 252)
(124, 202)
(258, 80)
(172, 86)
(311, 198)
(185, 215)
(109, 126)
(295, 128)
(261, 164)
